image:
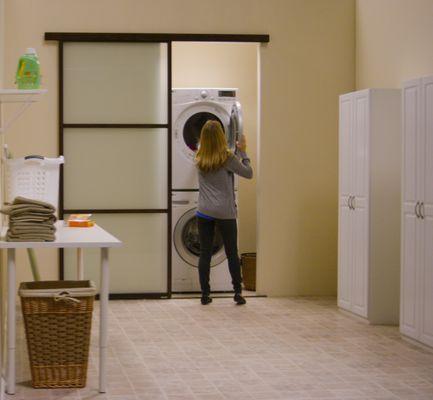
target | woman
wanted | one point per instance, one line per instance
(216, 166)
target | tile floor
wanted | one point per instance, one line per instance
(282, 348)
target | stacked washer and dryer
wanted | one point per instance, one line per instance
(192, 107)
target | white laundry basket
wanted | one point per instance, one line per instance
(34, 177)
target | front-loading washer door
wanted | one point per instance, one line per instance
(187, 242)
(188, 125)
(236, 125)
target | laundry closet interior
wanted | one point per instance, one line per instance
(119, 128)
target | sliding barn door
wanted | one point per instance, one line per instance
(115, 138)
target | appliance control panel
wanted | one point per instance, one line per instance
(226, 93)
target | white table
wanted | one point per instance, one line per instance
(66, 237)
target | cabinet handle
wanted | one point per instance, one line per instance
(421, 210)
(353, 202)
(416, 209)
(350, 202)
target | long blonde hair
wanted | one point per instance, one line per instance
(213, 150)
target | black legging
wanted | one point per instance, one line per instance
(229, 233)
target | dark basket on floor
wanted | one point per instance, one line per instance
(58, 319)
(248, 261)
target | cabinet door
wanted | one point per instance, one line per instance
(409, 273)
(345, 191)
(361, 136)
(426, 278)
(411, 239)
(426, 264)
(360, 260)
(345, 257)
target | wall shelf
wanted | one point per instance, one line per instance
(24, 98)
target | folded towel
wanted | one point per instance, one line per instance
(21, 209)
(23, 222)
(31, 225)
(24, 200)
(32, 217)
(32, 233)
(30, 221)
(18, 231)
(30, 237)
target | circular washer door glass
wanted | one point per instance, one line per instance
(191, 240)
(192, 128)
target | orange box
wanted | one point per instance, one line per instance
(80, 224)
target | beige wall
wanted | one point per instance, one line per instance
(309, 61)
(394, 41)
(2, 29)
(227, 65)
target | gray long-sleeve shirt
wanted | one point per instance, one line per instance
(216, 188)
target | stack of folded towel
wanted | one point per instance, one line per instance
(30, 221)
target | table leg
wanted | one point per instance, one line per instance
(103, 334)
(2, 359)
(11, 322)
(80, 264)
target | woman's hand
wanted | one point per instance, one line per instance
(242, 144)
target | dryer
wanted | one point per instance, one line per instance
(192, 107)
(186, 249)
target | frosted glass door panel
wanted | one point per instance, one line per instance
(115, 83)
(140, 265)
(115, 168)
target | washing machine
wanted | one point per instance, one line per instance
(192, 107)
(186, 249)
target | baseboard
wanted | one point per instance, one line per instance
(352, 315)
(416, 343)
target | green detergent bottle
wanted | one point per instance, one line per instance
(28, 71)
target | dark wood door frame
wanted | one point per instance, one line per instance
(154, 37)
(168, 38)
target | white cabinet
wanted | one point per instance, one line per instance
(369, 204)
(416, 311)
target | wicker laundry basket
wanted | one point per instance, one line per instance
(248, 261)
(58, 319)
